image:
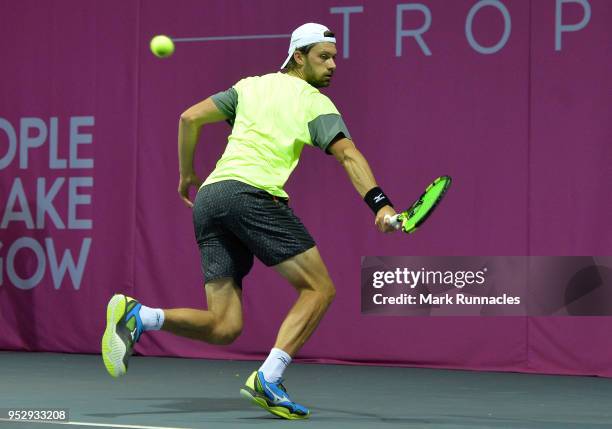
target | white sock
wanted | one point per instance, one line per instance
(152, 318)
(275, 364)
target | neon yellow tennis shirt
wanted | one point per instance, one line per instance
(273, 117)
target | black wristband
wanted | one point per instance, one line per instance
(376, 199)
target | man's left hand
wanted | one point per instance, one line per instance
(183, 188)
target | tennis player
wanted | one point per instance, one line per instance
(242, 211)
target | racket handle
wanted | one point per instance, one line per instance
(393, 221)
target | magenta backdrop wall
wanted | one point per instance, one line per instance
(511, 98)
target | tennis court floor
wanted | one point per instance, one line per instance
(192, 393)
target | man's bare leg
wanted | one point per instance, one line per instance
(220, 324)
(308, 274)
(126, 319)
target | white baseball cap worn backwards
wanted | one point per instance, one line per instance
(305, 35)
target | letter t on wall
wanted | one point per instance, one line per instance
(346, 22)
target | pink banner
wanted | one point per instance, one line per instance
(510, 98)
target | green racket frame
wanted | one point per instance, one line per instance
(406, 219)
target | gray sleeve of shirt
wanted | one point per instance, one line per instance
(226, 102)
(325, 128)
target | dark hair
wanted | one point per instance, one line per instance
(292, 64)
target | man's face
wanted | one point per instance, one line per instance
(319, 65)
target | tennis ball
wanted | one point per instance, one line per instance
(162, 46)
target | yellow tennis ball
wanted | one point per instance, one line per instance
(162, 46)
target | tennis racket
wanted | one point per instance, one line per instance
(409, 220)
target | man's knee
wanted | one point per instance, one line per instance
(325, 289)
(329, 292)
(227, 333)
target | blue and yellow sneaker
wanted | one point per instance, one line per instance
(272, 397)
(123, 330)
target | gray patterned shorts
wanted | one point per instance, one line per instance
(234, 221)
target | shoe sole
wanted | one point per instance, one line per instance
(113, 349)
(256, 399)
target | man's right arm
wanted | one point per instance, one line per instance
(190, 123)
(360, 175)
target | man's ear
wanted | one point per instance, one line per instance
(298, 57)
